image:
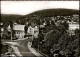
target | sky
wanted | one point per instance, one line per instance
(27, 7)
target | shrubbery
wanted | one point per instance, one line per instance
(59, 39)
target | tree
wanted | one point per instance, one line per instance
(66, 25)
(65, 40)
(6, 35)
(11, 24)
(76, 31)
(49, 26)
(51, 38)
(25, 29)
(40, 36)
(61, 29)
(4, 48)
(52, 25)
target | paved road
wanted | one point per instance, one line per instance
(23, 48)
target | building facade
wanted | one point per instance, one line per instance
(72, 27)
(34, 31)
(19, 31)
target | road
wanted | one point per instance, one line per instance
(23, 48)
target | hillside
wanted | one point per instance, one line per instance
(51, 12)
(40, 14)
(9, 17)
(6, 18)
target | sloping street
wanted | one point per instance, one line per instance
(23, 48)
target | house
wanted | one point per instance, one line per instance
(19, 31)
(9, 28)
(42, 25)
(34, 31)
(72, 27)
(30, 30)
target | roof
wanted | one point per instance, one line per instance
(19, 27)
(9, 27)
(73, 26)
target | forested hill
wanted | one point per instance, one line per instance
(51, 12)
(9, 17)
(5, 18)
(40, 13)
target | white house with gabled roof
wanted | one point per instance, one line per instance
(34, 31)
(19, 31)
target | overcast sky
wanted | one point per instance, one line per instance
(26, 7)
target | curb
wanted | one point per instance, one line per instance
(40, 52)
